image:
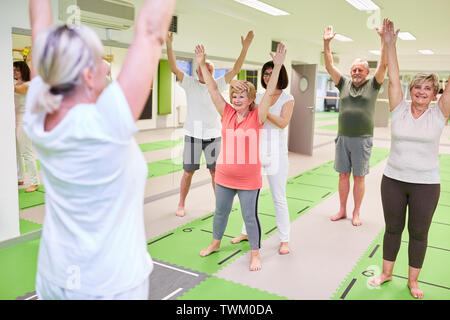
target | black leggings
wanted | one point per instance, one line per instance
(421, 200)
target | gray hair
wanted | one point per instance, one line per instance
(361, 61)
(60, 55)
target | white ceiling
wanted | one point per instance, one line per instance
(427, 20)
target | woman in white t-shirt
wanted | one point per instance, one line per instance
(93, 239)
(24, 148)
(274, 153)
(411, 179)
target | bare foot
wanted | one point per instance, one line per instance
(416, 292)
(355, 221)
(239, 238)
(213, 247)
(180, 212)
(378, 281)
(255, 261)
(32, 188)
(340, 215)
(284, 248)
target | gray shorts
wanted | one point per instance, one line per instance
(353, 152)
(192, 153)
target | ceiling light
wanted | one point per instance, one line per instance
(261, 6)
(342, 38)
(364, 5)
(406, 36)
(376, 52)
(426, 51)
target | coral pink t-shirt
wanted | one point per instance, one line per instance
(238, 165)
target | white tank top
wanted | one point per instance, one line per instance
(273, 137)
(414, 155)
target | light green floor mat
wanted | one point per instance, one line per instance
(28, 226)
(18, 265)
(226, 290)
(158, 145)
(31, 199)
(331, 127)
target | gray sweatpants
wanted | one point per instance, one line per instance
(249, 207)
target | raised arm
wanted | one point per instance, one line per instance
(444, 101)
(240, 60)
(141, 62)
(41, 18)
(216, 96)
(328, 57)
(172, 60)
(380, 73)
(395, 93)
(278, 60)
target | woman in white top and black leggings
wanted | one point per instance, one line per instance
(411, 178)
(93, 239)
(274, 153)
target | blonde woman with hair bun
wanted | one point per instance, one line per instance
(93, 239)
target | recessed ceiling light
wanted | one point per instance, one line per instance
(261, 6)
(364, 5)
(340, 37)
(426, 51)
(406, 36)
(376, 52)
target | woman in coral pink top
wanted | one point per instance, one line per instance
(238, 168)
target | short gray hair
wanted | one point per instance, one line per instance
(361, 61)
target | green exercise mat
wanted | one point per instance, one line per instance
(31, 199)
(158, 145)
(18, 265)
(28, 226)
(214, 288)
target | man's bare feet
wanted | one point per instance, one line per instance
(355, 221)
(213, 247)
(340, 215)
(180, 212)
(284, 248)
(255, 261)
(239, 238)
(32, 188)
(378, 281)
(416, 292)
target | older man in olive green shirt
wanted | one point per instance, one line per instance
(355, 125)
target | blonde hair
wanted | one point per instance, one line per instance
(251, 93)
(61, 53)
(420, 78)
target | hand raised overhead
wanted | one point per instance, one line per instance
(248, 39)
(280, 54)
(328, 35)
(389, 36)
(200, 55)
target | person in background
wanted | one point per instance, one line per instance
(274, 152)
(202, 126)
(358, 95)
(411, 180)
(239, 167)
(24, 147)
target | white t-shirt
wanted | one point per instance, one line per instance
(414, 155)
(94, 174)
(202, 119)
(273, 139)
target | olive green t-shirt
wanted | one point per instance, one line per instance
(357, 107)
